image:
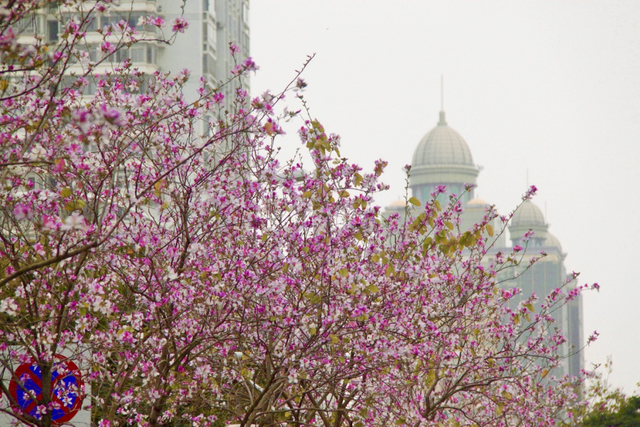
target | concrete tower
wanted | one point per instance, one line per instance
(547, 274)
(443, 157)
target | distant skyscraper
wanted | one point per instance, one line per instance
(442, 157)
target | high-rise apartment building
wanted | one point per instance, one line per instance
(203, 48)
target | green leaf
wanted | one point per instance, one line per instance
(312, 331)
(530, 307)
(307, 194)
(490, 230)
(390, 270)
(414, 201)
(449, 225)
(358, 179)
(75, 205)
(66, 192)
(334, 338)
(373, 289)
(344, 193)
(344, 272)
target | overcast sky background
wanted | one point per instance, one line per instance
(552, 87)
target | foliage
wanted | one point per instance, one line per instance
(627, 415)
(604, 406)
(197, 280)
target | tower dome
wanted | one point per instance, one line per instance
(442, 145)
(442, 158)
(529, 217)
(553, 242)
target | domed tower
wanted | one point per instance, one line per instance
(529, 217)
(442, 158)
(542, 278)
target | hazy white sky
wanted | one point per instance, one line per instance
(552, 87)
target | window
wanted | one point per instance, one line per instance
(52, 30)
(138, 54)
(211, 36)
(245, 12)
(130, 18)
(121, 55)
(29, 25)
(91, 23)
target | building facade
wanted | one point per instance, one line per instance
(443, 157)
(203, 48)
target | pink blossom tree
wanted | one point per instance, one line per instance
(195, 279)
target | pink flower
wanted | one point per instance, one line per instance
(107, 47)
(179, 24)
(236, 70)
(50, 223)
(157, 21)
(75, 221)
(58, 165)
(234, 49)
(81, 118)
(249, 65)
(111, 115)
(300, 84)
(22, 211)
(9, 306)
(517, 248)
(218, 97)
(530, 192)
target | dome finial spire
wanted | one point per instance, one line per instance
(442, 121)
(441, 92)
